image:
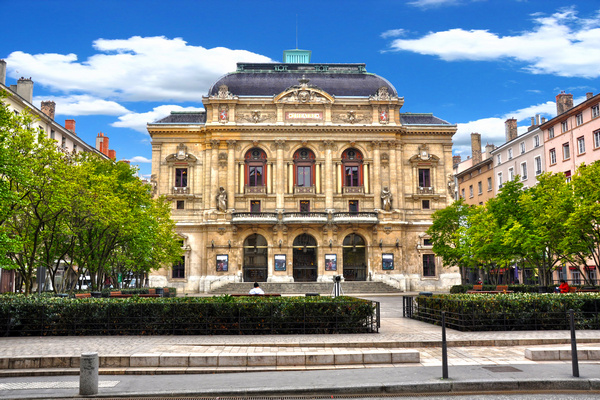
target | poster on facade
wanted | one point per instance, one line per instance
(387, 261)
(330, 262)
(279, 262)
(222, 262)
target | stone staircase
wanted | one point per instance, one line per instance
(322, 288)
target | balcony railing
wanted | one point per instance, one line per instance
(355, 217)
(255, 189)
(354, 189)
(304, 190)
(181, 190)
(424, 189)
(305, 218)
(254, 218)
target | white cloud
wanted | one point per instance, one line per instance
(84, 105)
(134, 69)
(138, 121)
(493, 129)
(433, 3)
(561, 44)
(393, 33)
(139, 160)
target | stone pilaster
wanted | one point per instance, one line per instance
(279, 175)
(377, 173)
(394, 175)
(329, 181)
(231, 173)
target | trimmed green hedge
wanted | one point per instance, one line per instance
(512, 311)
(222, 315)
(456, 289)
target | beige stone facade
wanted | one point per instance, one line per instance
(311, 181)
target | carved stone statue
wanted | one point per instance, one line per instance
(451, 184)
(386, 198)
(222, 199)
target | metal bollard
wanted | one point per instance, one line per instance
(444, 348)
(574, 359)
(88, 374)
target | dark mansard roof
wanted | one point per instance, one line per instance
(186, 117)
(272, 79)
(421, 119)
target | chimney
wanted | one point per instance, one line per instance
(3, 72)
(70, 125)
(48, 108)
(112, 154)
(102, 144)
(543, 120)
(456, 160)
(564, 102)
(532, 121)
(488, 149)
(476, 147)
(537, 119)
(589, 95)
(511, 129)
(25, 89)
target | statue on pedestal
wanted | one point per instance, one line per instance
(386, 199)
(222, 199)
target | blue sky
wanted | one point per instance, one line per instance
(114, 65)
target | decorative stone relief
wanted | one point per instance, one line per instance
(222, 159)
(256, 117)
(223, 113)
(181, 155)
(382, 94)
(224, 94)
(350, 117)
(384, 114)
(385, 158)
(303, 94)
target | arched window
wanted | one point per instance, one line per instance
(352, 160)
(304, 162)
(256, 160)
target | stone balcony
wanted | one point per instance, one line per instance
(254, 218)
(425, 190)
(355, 218)
(304, 218)
(255, 189)
(304, 190)
(354, 189)
(181, 190)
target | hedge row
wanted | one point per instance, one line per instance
(513, 311)
(222, 315)
(514, 288)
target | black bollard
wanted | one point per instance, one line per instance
(444, 348)
(574, 359)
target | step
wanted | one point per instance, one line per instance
(561, 353)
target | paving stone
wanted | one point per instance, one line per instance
(377, 357)
(261, 359)
(174, 360)
(289, 359)
(144, 360)
(346, 358)
(204, 360)
(405, 356)
(232, 360)
(319, 359)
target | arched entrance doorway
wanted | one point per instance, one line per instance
(354, 258)
(255, 258)
(305, 258)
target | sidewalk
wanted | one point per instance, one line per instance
(477, 361)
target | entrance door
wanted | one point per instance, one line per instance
(255, 258)
(354, 258)
(305, 258)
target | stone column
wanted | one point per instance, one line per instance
(280, 175)
(241, 178)
(377, 173)
(393, 175)
(329, 178)
(318, 178)
(231, 173)
(214, 175)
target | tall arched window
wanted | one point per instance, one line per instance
(352, 160)
(304, 162)
(256, 160)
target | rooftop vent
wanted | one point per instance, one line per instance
(296, 56)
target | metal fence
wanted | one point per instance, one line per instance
(469, 317)
(194, 319)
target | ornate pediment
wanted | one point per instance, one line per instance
(382, 94)
(224, 94)
(181, 155)
(304, 93)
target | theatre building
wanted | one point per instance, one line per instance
(298, 172)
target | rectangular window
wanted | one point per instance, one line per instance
(595, 110)
(180, 204)
(353, 206)
(510, 154)
(538, 165)
(550, 133)
(500, 180)
(597, 139)
(52, 135)
(179, 269)
(499, 159)
(564, 126)
(562, 273)
(429, 265)
(304, 206)
(566, 151)
(479, 187)
(580, 145)
(552, 155)
(470, 190)
(304, 175)
(255, 175)
(536, 141)
(424, 179)
(63, 142)
(523, 171)
(425, 204)
(462, 193)
(579, 119)
(180, 177)
(522, 145)
(568, 176)
(254, 206)
(576, 277)
(511, 174)
(352, 175)
(489, 184)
